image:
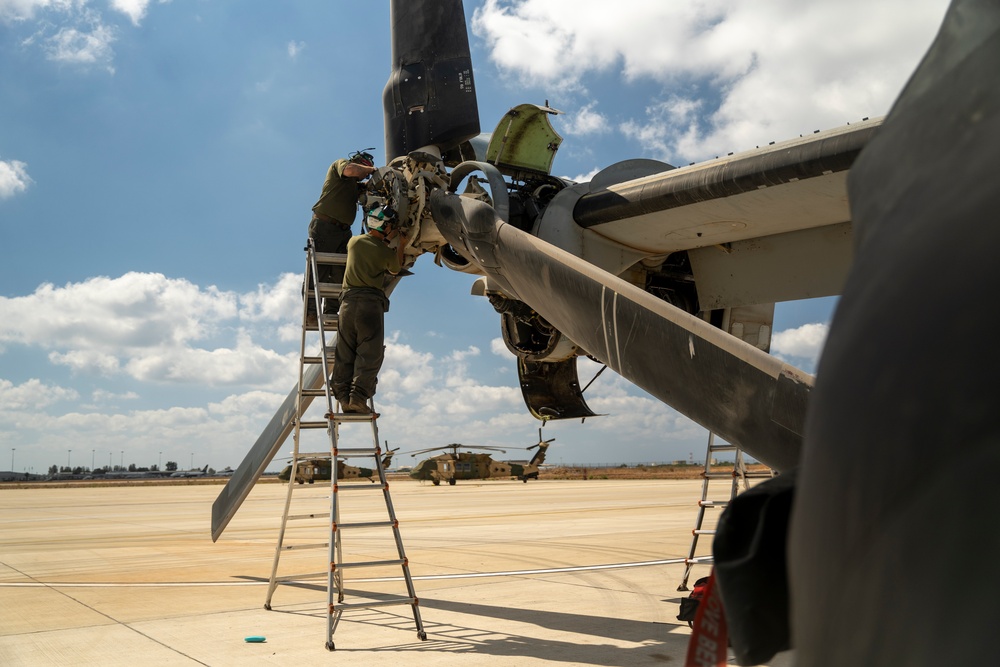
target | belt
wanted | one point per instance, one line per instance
(325, 218)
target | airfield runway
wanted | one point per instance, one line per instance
(549, 572)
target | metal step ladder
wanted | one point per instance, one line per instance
(316, 296)
(738, 477)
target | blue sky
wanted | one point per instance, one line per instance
(158, 161)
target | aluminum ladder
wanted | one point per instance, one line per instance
(738, 477)
(315, 296)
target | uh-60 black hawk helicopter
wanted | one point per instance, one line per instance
(455, 465)
(317, 467)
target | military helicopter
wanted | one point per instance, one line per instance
(454, 465)
(313, 467)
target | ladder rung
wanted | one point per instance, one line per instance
(331, 258)
(700, 531)
(373, 603)
(713, 503)
(353, 417)
(296, 547)
(329, 323)
(317, 360)
(759, 474)
(328, 290)
(355, 485)
(312, 424)
(722, 448)
(370, 563)
(349, 452)
(718, 475)
(365, 524)
(313, 392)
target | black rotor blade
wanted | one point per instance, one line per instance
(744, 395)
(430, 98)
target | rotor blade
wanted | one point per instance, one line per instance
(268, 443)
(744, 395)
(430, 98)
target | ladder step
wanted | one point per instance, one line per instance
(718, 475)
(372, 603)
(327, 290)
(722, 448)
(296, 547)
(329, 323)
(317, 360)
(366, 524)
(713, 503)
(369, 563)
(353, 485)
(349, 452)
(312, 424)
(314, 392)
(331, 258)
(353, 417)
(699, 531)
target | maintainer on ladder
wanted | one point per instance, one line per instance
(314, 320)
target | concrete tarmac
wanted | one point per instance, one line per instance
(544, 573)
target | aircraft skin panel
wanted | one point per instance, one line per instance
(798, 265)
(264, 449)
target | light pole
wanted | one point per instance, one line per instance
(109, 461)
(159, 461)
(12, 458)
(121, 463)
(68, 458)
(93, 453)
(192, 460)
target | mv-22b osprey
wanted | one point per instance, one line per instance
(668, 275)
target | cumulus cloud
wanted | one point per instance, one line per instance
(14, 178)
(134, 9)
(153, 328)
(32, 395)
(770, 70)
(805, 342)
(73, 32)
(584, 121)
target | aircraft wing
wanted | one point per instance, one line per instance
(767, 225)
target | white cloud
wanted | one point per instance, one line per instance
(32, 395)
(295, 48)
(584, 121)
(804, 342)
(14, 178)
(156, 329)
(772, 69)
(134, 9)
(22, 10)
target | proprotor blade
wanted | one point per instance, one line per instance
(430, 98)
(730, 387)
